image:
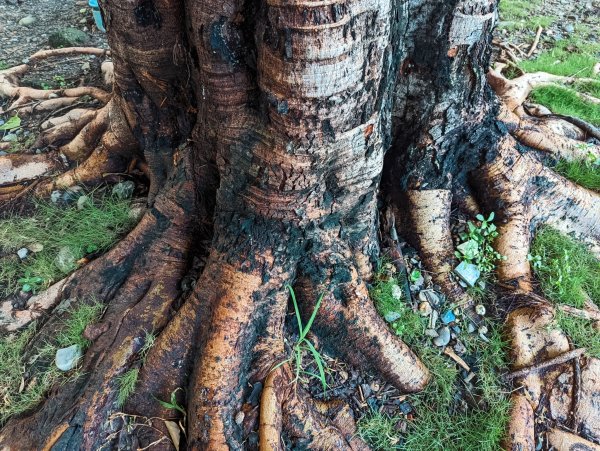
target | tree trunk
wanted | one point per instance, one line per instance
(263, 126)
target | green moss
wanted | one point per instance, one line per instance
(568, 272)
(96, 227)
(566, 101)
(584, 173)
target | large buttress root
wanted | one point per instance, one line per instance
(526, 195)
(78, 413)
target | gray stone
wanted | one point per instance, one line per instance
(443, 337)
(65, 260)
(66, 358)
(460, 348)
(431, 333)
(123, 190)
(480, 309)
(68, 37)
(390, 317)
(27, 21)
(10, 138)
(569, 28)
(22, 253)
(468, 272)
(433, 319)
(72, 194)
(471, 328)
(55, 196)
(36, 247)
(82, 202)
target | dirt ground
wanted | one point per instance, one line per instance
(17, 42)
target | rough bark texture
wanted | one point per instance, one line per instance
(263, 127)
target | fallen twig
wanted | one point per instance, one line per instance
(585, 314)
(535, 41)
(562, 358)
(450, 353)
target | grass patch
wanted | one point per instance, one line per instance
(64, 231)
(386, 293)
(380, 431)
(566, 101)
(18, 392)
(567, 272)
(126, 383)
(4, 65)
(584, 173)
(560, 61)
(440, 422)
(581, 331)
(523, 14)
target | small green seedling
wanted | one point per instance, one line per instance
(31, 284)
(415, 275)
(173, 405)
(304, 343)
(476, 246)
(126, 383)
(12, 123)
(535, 261)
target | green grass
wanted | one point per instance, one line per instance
(568, 274)
(582, 333)
(18, 394)
(4, 65)
(568, 271)
(524, 14)
(126, 383)
(566, 101)
(584, 173)
(94, 228)
(379, 431)
(438, 424)
(410, 325)
(560, 61)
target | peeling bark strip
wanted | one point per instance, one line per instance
(469, 29)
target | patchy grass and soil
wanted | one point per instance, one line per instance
(56, 237)
(26, 373)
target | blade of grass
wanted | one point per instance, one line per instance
(312, 317)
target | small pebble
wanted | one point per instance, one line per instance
(27, 20)
(448, 317)
(390, 317)
(239, 418)
(480, 309)
(483, 329)
(460, 348)
(55, 196)
(425, 309)
(22, 253)
(471, 328)
(431, 333)
(443, 337)
(66, 358)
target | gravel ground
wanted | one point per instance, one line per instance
(17, 42)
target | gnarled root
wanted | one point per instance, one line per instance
(78, 415)
(28, 99)
(549, 134)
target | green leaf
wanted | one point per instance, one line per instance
(491, 217)
(13, 122)
(480, 217)
(298, 318)
(415, 275)
(319, 363)
(312, 317)
(470, 249)
(27, 288)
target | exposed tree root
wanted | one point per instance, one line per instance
(78, 414)
(24, 96)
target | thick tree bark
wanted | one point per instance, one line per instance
(263, 127)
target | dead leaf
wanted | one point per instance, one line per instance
(174, 432)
